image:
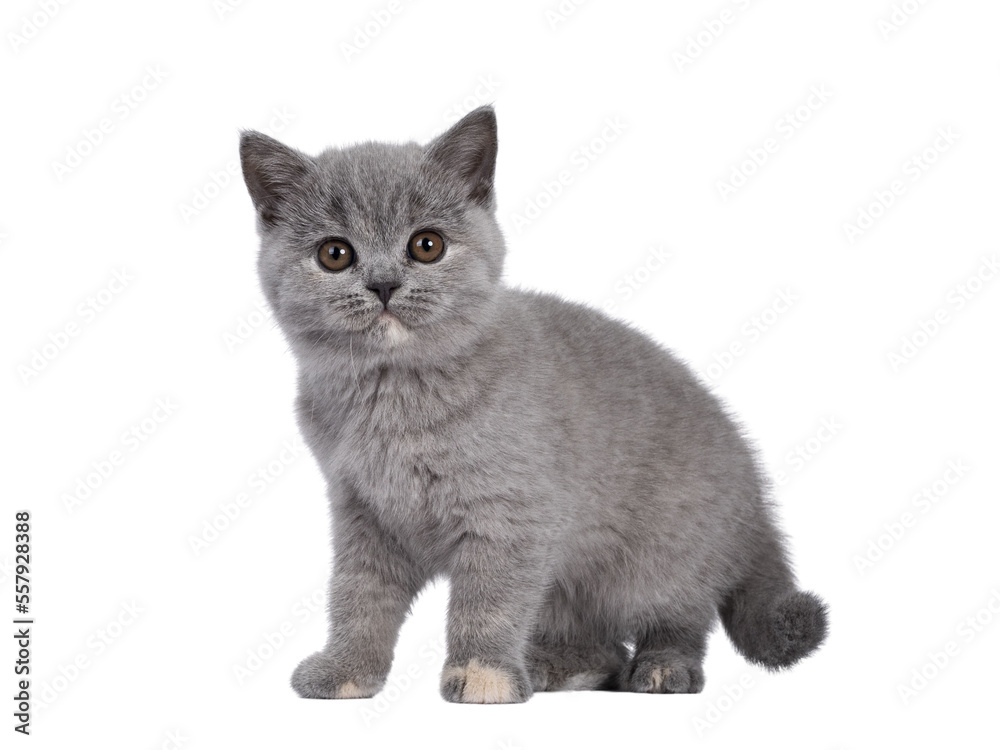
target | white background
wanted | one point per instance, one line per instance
(153, 202)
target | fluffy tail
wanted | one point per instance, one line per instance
(769, 621)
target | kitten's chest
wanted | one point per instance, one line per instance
(412, 446)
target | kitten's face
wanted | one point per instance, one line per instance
(383, 249)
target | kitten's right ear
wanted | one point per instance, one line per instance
(271, 171)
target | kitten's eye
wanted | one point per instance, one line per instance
(336, 255)
(426, 247)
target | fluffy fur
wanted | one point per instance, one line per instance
(592, 504)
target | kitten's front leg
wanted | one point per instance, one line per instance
(496, 589)
(373, 583)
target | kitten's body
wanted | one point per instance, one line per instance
(601, 461)
(577, 485)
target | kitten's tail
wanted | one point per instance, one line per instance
(769, 621)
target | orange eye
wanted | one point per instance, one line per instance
(426, 247)
(336, 255)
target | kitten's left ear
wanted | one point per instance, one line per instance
(468, 153)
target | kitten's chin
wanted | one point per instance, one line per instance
(392, 329)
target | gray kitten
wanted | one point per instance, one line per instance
(592, 504)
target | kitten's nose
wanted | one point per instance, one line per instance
(384, 290)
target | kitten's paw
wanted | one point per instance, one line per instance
(591, 666)
(475, 682)
(658, 672)
(318, 676)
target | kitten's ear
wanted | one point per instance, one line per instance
(272, 172)
(468, 153)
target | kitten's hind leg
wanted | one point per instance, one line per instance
(559, 663)
(668, 659)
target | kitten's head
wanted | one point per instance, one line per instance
(392, 251)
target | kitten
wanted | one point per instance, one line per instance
(592, 504)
